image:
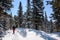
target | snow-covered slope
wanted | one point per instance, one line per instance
(29, 34)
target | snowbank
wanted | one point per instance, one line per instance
(29, 34)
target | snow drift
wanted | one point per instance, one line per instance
(28, 34)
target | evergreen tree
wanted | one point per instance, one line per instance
(45, 21)
(20, 14)
(51, 23)
(11, 21)
(28, 13)
(38, 13)
(5, 4)
(56, 15)
(28, 7)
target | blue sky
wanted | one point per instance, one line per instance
(16, 5)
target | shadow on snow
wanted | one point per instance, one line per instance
(42, 34)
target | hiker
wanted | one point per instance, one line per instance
(14, 29)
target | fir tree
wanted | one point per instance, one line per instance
(45, 21)
(56, 15)
(28, 12)
(38, 13)
(5, 4)
(20, 14)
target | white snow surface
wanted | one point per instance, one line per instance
(30, 34)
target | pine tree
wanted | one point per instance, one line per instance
(28, 19)
(38, 13)
(20, 14)
(5, 4)
(28, 13)
(56, 15)
(51, 23)
(45, 22)
(11, 21)
(28, 7)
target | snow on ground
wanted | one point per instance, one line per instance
(55, 35)
(29, 34)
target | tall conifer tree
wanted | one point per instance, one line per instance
(38, 13)
(20, 14)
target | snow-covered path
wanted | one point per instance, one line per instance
(29, 34)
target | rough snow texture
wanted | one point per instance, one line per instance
(29, 34)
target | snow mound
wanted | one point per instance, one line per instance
(28, 34)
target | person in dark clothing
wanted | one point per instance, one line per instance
(14, 29)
